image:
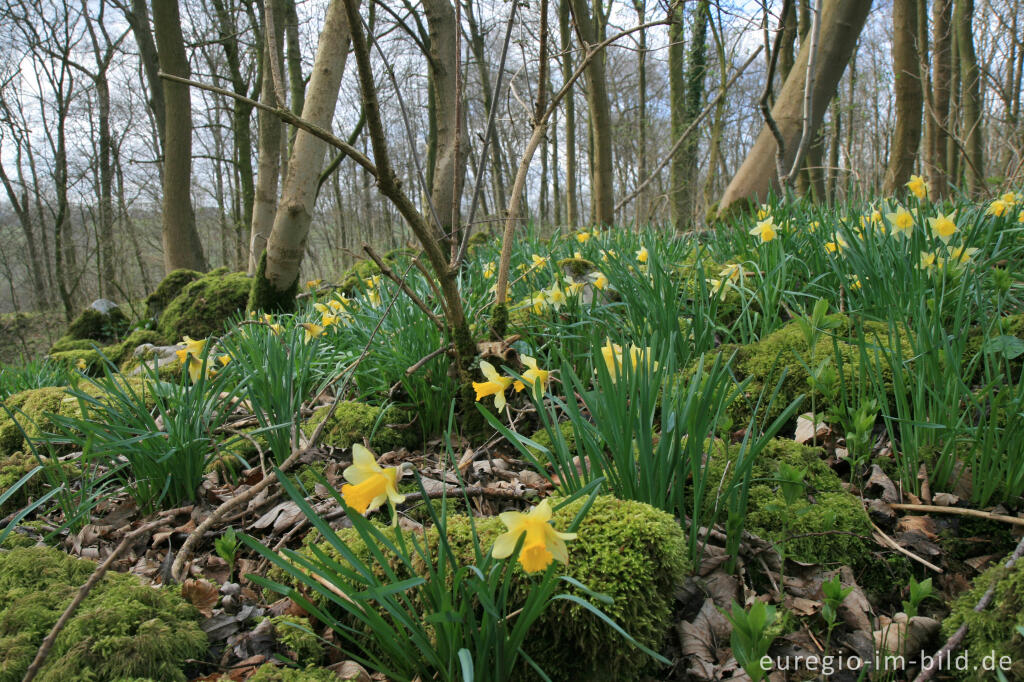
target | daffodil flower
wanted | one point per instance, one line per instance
(369, 484)
(314, 283)
(855, 283)
(495, 385)
(764, 211)
(642, 255)
(902, 222)
(328, 320)
(962, 254)
(489, 270)
(81, 364)
(542, 543)
(276, 328)
(538, 262)
(612, 354)
(927, 261)
(321, 308)
(918, 186)
(340, 303)
(998, 208)
(601, 281)
(223, 360)
(836, 246)
(582, 237)
(731, 272)
(313, 330)
(765, 230)
(534, 376)
(1010, 198)
(189, 356)
(943, 226)
(538, 303)
(1020, 217)
(555, 296)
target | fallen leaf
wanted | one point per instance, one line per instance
(922, 524)
(202, 594)
(945, 500)
(879, 485)
(806, 429)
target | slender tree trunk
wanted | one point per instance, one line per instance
(271, 131)
(293, 53)
(572, 217)
(970, 78)
(833, 153)
(677, 106)
(277, 276)
(908, 95)
(588, 28)
(138, 20)
(476, 45)
(695, 72)
(841, 24)
(182, 248)
(642, 215)
(20, 205)
(953, 118)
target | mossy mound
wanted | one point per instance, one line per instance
(168, 290)
(123, 629)
(826, 526)
(97, 326)
(204, 305)
(295, 635)
(66, 343)
(352, 421)
(72, 352)
(272, 673)
(785, 350)
(352, 279)
(31, 410)
(12, 468)
(627, 550)
(994, 630)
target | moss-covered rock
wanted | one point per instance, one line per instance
(66, 343)
(352, 279)
(31, 411)
(272, 673)
(88, 359)
(168, 290)
(97, 326)
(203, 306)
(627, 550)
(994, 630)
(785, 350)
(352, 421)
(12, 468)
(123, 629)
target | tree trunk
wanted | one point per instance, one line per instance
(182, 248)
(601, 181)
(841, 24)
(642, 215)
(908, 94)
(277, 276)
(941, 68)
(572, 216)
(476, 45)
(138, 20)
(970, 79)
(677, 106)
(449, 170)
(271, 130)
(695, 71)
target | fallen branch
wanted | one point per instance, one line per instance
(83, 592)
(960, 511)
(887, 541)
(957, 638)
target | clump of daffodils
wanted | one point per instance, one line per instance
(369, 484)
(495, 384)
(613, 357)
(541, 542)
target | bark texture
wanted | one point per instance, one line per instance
(909, 96)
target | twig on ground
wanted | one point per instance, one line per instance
(887, 541)
(960, 511)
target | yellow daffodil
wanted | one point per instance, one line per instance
(541, 544)
(765, 230)
(902, 222)
(1010, 198)
(642, 255)
(1020, 217)
(962, 254)
(371, 281)
(495, 385)
(573, 288)
(601, 281)
(328, 320)
(81, 364)
(716, 286)
(764, 211)
(534, 376)
(836, 246)
(582, 237)
(314, 283)
(313, 330)
(276, 328)
(731, 272)
(489, 270)
(606, 254)
(998, 208)
(539, 303)
(918, 186)
(369, 484)
(374, 297)
(343, 302)
(876, 217)
(321, 308)
(943, 226)
(612, 353)
(855, 283)
(538, 261)
(927, 261)
(555, 296)
(189, 356)
(223, 360)
(268, 318)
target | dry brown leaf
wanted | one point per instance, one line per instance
(202, 594)
(879, 485)
(945, 500)
(921, 524)
(806, 429)
(802, 607)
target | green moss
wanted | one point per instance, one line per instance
(263, 295)
(627, 550)
(296, 635)
(123, 629)
(273, 673)
(994, 629)
(352, 279)
(352, 421)
(71, 353)
(577, 268)
(12, 468)
(543, 439)
(97, 326)
(66, 343)
(168, 289)
(478, 239)
(203, 306)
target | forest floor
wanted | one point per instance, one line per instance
(791, 448)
